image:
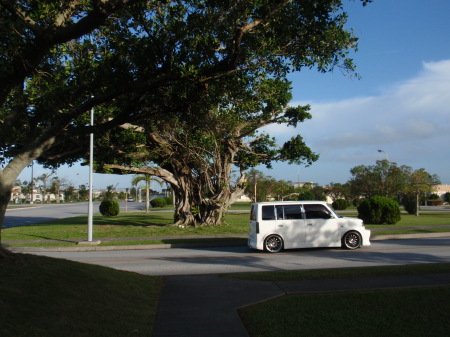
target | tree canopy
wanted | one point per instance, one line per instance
(385, 179)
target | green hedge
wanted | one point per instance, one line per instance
(158, 202)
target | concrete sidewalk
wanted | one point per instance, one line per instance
(206, 305)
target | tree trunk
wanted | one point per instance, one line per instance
(417, 204)
(8, 177)
(147, 198)
(185, 214)
(10, 173)
(4, 199)
(193, 209)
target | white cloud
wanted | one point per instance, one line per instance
(408, 112)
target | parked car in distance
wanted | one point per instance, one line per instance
(279, 225)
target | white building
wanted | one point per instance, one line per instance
(441, 190)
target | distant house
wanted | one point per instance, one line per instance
(441, 190)
(244, 198)
(17, 196)
(299, 184)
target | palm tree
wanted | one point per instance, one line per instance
(44, 178)
(147, 179)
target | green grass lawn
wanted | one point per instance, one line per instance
(399, 312)
(407, 312)
(46, 297)
(125, 225)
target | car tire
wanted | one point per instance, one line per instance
(351, 240)
(273, 244)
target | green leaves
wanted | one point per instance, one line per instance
(295, 151)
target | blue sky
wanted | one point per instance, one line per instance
(401, 104)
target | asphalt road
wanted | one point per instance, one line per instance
(31, 214)
(242, 259)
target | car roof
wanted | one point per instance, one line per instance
(291, 202)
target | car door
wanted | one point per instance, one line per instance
(322, 229)
(291, 225)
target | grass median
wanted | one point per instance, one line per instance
(155, 228)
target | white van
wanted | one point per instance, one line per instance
(303, 224)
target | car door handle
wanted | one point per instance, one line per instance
(310, 224)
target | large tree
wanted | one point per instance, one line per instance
(419, 183)
(384, 179)
(196, 152)
(61, 59)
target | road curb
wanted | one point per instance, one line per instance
(130, 247)
(408, 236)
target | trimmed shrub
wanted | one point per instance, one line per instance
(158, 202)
(340, 204)
(379, 210)
(109, 208)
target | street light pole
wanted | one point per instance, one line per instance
(91, 163)
(32, 183)
(386, 157)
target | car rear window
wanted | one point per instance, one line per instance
(253, 213)
(268, 213)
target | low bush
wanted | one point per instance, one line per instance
(109, 208)
(379, 210)
(158, 202)
(340, 204)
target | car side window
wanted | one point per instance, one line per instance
(268, 213)
(279, 212)
(289, 212)
(292, 212)
(316, 212)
